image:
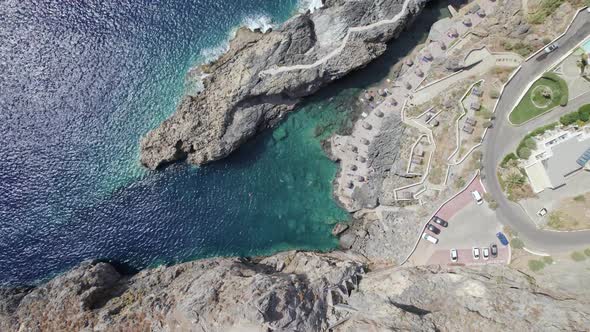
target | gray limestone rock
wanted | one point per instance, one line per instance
(246, 90)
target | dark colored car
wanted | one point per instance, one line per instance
(502, 238)
(494, 250)
(433, 229)
(440, 221)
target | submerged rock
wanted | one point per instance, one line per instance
(263, 76)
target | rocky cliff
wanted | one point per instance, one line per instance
(264, 75)
(290, 292)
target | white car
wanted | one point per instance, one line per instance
(475, 253)
(429, 238)
(454, 255)
(477, 197)
(551, 48)
(486, 253)
(542, 212)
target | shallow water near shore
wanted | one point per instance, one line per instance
(83, 82)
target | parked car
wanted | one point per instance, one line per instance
(440, 221)
(542, 212)
(433, 229)
(475, 253)
(494, 250)
(477, 197)
(486, 253)
(502, 238)
(454, 255)
(551, 48)
(429, 238)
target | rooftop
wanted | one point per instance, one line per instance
(564, 160)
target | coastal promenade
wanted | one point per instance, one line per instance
(353, 150)
(504, 137)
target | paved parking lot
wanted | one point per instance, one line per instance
(470, 225)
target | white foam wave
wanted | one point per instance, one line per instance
(254, 22)
(311, 5)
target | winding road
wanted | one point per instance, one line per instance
(504, 137)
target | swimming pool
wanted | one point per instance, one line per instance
(586, 46)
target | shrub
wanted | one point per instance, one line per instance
(544, 9)
(548, 260)
(580, 198)
(493, 204)
(516, 243)
(546, 40)
(562, 87)
(530, 143)
(477, 154)
(495, 93)
(487, 124)
(569, 118)
(507, 158)
(524, 153)
(536, 265)
(584, 112)
(587, 251)
(578, 256)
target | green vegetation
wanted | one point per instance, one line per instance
(536, 265)
(507, 159)
(581, 115)
(545, 8)
(580, 198)
(530, 143)
(516, 243)
(587, 252)
(578, 256)
(523, 142)
(524, 152)
(548, 260)
(535, 102)
(521, 48)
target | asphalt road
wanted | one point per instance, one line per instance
(504, 137)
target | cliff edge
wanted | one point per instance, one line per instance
(292, 291)
(264, 75)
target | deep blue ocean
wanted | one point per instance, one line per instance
(82, 81)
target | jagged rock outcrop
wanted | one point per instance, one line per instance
(263, 76)
(290, 292)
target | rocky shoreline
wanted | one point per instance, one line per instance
(265, 75)
(356, 289)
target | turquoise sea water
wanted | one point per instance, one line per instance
(84, 81)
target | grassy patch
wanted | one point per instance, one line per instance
(544, 9)
(526, 109)
(580, 198)
(578, 256)
(587, 251)
(516, 243)
(536, 265)
(536, 132)
(559, 221)
(507, 159)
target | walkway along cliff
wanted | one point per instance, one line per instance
(265, 75)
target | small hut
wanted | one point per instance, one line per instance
(378, 113)
(419, 72)
(364, 141)
(477, 92)
(409, 62)
(367, 125)
(475, 105)
(467, 22)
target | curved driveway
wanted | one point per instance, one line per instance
(504, 137)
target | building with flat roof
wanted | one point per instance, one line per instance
(558, 155)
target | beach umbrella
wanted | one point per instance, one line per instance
(350, 185)
(443, 46)
(393, 102)
(353, 167)
(362, 159)
(481, 12)
(367, 125)
(408, 85)
(419, 72)
(364, 141)
(360, 178)
(427, 55)
(379, 113)
(467, 21)
(453, 33)
(409, 62)
(353, 148)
